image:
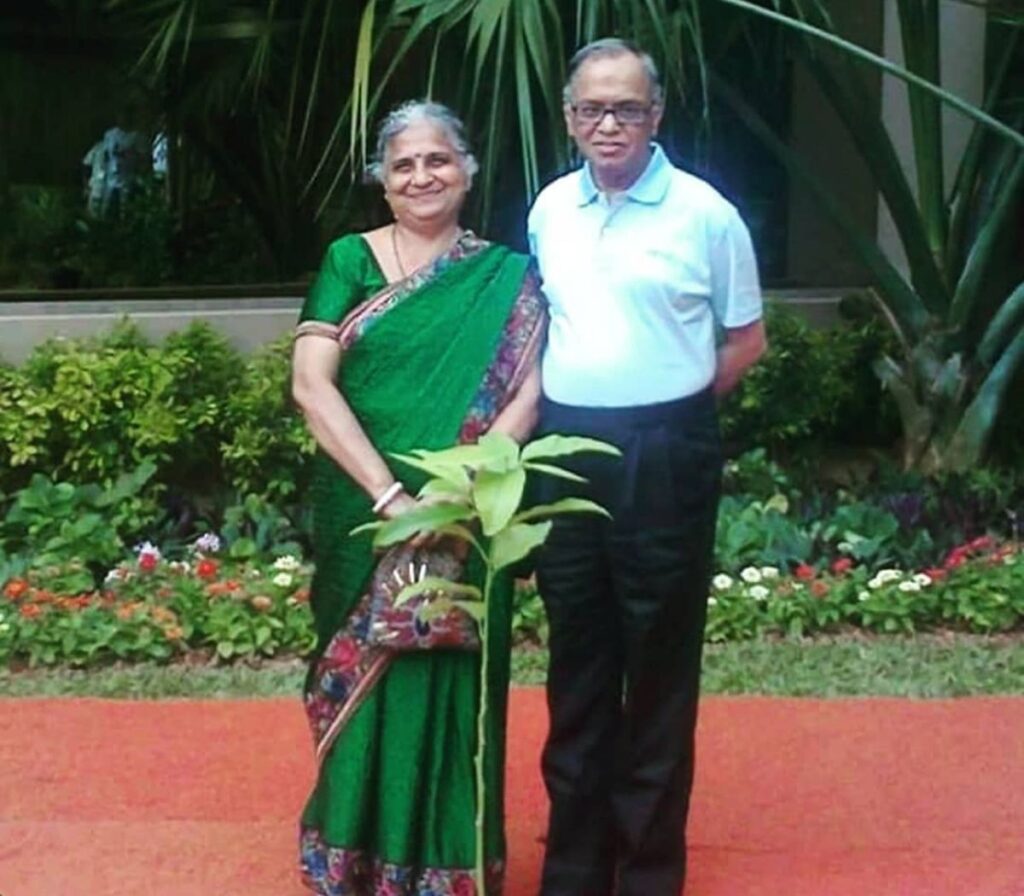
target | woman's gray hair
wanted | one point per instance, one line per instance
(607, 47)
(414, 111)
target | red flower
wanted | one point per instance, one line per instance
(936, 573)
(207, 568)
(983, 543)
(803, 571)
(346, 654)
(463, 886)
(15, 588)
(956, 557)
(819, 588)
(842, 565)
(31, 611)
(147, 562)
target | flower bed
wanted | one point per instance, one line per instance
(208, 606)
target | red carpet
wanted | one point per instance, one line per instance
(793, 797)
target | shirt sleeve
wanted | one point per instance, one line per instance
(336, 288)
(735, 286)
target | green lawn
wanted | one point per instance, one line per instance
(925, 666)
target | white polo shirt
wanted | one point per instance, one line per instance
(637, 284)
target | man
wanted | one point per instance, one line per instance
(640, 261)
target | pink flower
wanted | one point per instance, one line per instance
(463, 886)
(842, 565)
(803, 571)
(148, 562)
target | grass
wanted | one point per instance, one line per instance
(924, 666)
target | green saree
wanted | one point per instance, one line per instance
(428, 362)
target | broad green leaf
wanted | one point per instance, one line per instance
(552, 470)
(435, 583)
(442, 488)
(559, 446)
(451, 471)
(371, 526)
(565, 505)
(497, 497)
(476, 609)
(501, 451)
(515, 542)
(419, 519)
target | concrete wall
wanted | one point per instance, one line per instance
(248, 323)
(962, 30)
(818, 253)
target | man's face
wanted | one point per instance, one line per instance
(615, 145)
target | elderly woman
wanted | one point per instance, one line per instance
(416, 335)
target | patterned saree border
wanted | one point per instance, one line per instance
(336, 871)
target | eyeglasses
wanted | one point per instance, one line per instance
(623, 113)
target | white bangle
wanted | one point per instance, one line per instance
(387, 496)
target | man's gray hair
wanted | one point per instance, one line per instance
(414, 111)
(613, 46)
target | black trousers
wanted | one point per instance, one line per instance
(626, 602)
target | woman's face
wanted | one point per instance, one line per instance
(424, 178)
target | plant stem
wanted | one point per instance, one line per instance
(481, 739)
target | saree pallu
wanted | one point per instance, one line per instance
(428, 362)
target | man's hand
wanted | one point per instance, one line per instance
(743, 346)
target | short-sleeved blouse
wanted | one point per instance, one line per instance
(348, 275)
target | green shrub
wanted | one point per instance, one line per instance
(96, 409)
(813, 384)
(268, 445)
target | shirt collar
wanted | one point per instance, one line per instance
(649, 188)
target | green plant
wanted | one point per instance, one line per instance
(529, 621)
(54, 523)
(959, 314)
(267, 444)
(755, 532)
(482, 485)
(805, 387)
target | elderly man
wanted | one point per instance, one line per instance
(641, 263)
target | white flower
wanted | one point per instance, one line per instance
(864, 595)
(923, 580)
(759, 592)
(751, 575)
(180, 566)
(287, 563)
(207, 543)
(282, 580)
(147, 548)
(798, 586)
(722, 581)
(712, 601)
(909, 586)
(874, 583)
(769, 572)
(888, 575)
(4, 628)
(114, 575)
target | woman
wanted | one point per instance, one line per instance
(415, 335)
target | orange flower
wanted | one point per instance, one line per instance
(31, 611)
(174, 633)
(302, 596)
(819, 588)
(15, 588)
(162, 614)
(207, 568)
(262, 603)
